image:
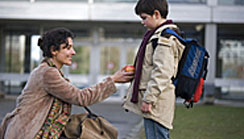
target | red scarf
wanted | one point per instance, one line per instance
(139, 60)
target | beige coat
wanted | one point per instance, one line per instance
(156, 87)
(46, 83)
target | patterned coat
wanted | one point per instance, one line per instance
(33, 105)
(156, 87)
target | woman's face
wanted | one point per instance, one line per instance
(64, 54)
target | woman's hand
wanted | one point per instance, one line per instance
(122, 77)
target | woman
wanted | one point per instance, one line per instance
(45, 103)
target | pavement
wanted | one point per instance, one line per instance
(127, 123)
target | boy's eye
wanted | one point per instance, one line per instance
(143, 18)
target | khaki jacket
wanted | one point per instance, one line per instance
(33, 105)
(156, 87)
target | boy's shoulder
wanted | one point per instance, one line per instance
(159, 31)
(159, 39)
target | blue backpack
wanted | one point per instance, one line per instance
(192, 70)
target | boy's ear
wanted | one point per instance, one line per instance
(157, 14)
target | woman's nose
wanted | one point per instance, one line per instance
(73, 51)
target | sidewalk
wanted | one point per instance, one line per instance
(128, 124)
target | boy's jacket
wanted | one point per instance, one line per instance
(156, 87)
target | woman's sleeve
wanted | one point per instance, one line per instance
(56, 85)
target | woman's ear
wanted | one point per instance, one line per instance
(53, 52)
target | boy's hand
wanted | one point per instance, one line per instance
(145, 107)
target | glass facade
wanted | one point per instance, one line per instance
(50, 0)
(14, 0)
(231, 56)
(36, 54)
(230, 52)
(231, 64)
(14, 53)
(81, 60)
(170, 1)
(115, 1)
(220, 2)
(47, 0)
(109, 60)
(231, 2)
(188, 1)
(131, 54)
(134, 1)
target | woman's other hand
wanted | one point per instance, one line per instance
(122, 77)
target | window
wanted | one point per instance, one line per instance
(81, 60)
(36, 54)
(231, 56)
(15, 53)
(14, 0)
(231, 2)
(63, 0)
(230, 50)
(115, 1)
(109, 60)
(14, 61)
(131, 55)
(170, 1)
(188, 1)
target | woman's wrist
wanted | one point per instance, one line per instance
(113, 78)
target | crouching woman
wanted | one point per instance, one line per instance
(44, 106)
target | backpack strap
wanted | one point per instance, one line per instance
(164, 33)
(172, 32)
(154, 43)
(205, 65)
(183, 41)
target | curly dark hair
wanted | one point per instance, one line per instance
(148, 7)
(53, 39)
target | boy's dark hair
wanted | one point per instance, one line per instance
(53, 39)
(148, 7)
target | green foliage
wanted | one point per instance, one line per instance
(207, 122)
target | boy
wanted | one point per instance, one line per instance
(151, 93)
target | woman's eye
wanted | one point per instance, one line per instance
(69, 47)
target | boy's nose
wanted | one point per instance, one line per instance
(142, 22)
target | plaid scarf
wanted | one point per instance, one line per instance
(139, 60)
(57, 118)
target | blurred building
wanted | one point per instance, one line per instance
(108, 34)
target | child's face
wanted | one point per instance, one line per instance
(149, 21)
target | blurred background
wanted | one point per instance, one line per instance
(108, 34)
